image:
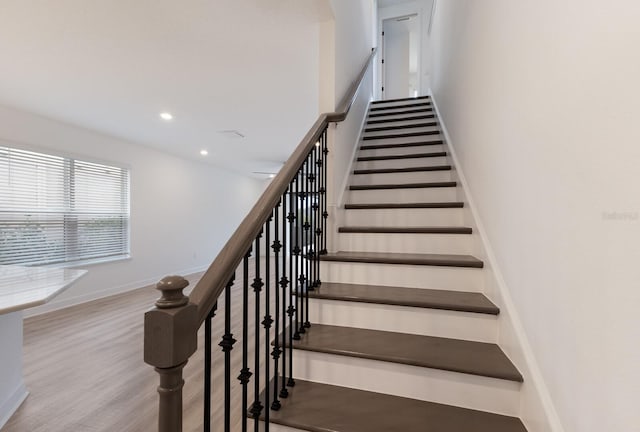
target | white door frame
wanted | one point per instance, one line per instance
(383, 73)
(395, 12)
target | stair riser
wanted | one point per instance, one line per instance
(408, 126)
(400, 122)
(400, 178)
(401, 140)
(400, 103)
(426, 129)
(273, 427)
(402, 195)
(407, 243)
(468, 391)
(401, 150)
(401, 163)
(404, 217)
(400, 113)
(414, 320)
(435, 277)
(399, 117)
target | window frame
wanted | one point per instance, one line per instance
(70, 179)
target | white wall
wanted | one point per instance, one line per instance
(353, 29)
(346, 43)
(540, 102)
(345, 140)
(12, 388)
(182, 212)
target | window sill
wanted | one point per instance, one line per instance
(91, 262)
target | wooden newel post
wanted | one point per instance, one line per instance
(170, 338)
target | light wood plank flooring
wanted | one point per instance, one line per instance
(85, 372)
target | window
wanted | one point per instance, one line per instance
(59, 210)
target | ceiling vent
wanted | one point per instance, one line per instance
(231, 134)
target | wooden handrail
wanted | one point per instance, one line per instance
(208, 289)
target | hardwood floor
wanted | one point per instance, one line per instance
(84, 369)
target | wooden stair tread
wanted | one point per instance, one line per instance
(403, 170)
(405, 126)
(401, 156)
(448, 260)
(405, 230)
(401, 135)
(326, 408)
(415, 117)
(404, 186)
(459, 301)
(409, 105)
(424, 205)
(417, 98)
(454, 355)
(399, 145)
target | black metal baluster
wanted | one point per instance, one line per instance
(245, 373)
(207, 369)
(227, 345)
(275, 405)
(312, 222)
(318, 209)
(316, 214)
(291, 310)
(297, 252)
(304, 184)
(267, 321)
(256, 408)
(325, 213)
(307, 233)
(284, 282)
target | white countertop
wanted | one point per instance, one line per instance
(24, 287)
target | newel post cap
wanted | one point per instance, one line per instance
(171, 288)
(170, 329)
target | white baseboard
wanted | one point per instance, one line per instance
(12, 404)
(537, 410)
(96, 295)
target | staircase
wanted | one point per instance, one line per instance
(403, 338)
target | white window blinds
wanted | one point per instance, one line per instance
(58, 210)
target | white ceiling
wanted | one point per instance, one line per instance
(114, 65)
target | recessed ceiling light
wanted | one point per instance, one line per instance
(166, 116)
(317, 143)
(272, 175)
(204, 152)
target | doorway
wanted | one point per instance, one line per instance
(400, 57)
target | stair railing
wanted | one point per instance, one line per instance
(280, 242)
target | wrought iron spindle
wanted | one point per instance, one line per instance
(256, 408)
(284, 282)
(275, 405)
(207, 369)
(318, 209)
(297, 252)
(304, 184)
(325, 213)
(245, 373)
(307, 233)
(267, 321)
(311, 283)
(227, 345)
(316, 214)
(291, 310)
